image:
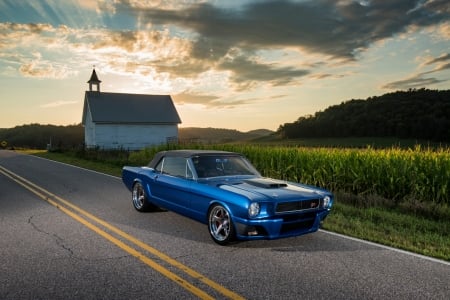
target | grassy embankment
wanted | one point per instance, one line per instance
(396, 197)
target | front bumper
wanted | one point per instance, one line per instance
(281, 226)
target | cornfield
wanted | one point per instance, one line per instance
(396, 174)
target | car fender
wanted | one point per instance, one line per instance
(143, 180)
(227, 206)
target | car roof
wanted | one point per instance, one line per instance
(187, 153)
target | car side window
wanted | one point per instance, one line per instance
(176, 166)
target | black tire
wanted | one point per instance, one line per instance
(139, 198)
(220, 225)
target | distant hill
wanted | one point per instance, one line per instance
(39, 136)
(414, 114)
(218, 135)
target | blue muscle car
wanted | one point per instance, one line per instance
(222, 189)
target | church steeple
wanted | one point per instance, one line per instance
(94, 81)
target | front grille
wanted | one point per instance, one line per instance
(298, 205)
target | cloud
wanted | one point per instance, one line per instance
(419, 80)
(45, 69)
(416, 81)
(443, 67)
(181, 42)
(20, 33)
(58, 104)
(126, 40)
(327, 75)
(245, 70)
(442, 58)
(191, 98)
(209, 101)
(444, 30)
(340, 29)
(442, 62)
(22, 52)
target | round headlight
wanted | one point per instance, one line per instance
(253, 209)
(326, 201)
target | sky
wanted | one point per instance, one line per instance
(235, 64)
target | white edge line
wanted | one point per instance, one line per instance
(387, 247)
(321, 230)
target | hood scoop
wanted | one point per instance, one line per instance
(265, 183)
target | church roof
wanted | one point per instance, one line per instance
(121, 108)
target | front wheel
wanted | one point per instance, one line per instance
(140, 201)
(220, 225)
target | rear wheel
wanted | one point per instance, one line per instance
(220, 225)
(140, 201)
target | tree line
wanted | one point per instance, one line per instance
(418, 114)
(36, 136)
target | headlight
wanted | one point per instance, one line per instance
(326, 201)
(253, 209)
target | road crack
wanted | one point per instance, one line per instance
(58, 240)
(62, 243)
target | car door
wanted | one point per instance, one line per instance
(172, 184)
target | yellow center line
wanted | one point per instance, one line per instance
(44, 194)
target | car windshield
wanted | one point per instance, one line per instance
(214, 166)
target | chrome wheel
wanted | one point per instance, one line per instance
(220, 225)
(138, 196)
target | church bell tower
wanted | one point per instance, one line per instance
(94, 81)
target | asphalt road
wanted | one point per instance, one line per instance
(70, 233)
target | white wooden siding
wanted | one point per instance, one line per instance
(132, 137)
(89, 131)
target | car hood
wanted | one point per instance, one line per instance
(275, 190)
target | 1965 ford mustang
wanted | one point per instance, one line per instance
(222, 189)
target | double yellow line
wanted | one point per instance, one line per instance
(82, 216)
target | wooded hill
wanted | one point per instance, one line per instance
(418, 114)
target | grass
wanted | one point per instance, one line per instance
(418, 227)
(103, 167)
(421, 234)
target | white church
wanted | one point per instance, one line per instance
(127, 121)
